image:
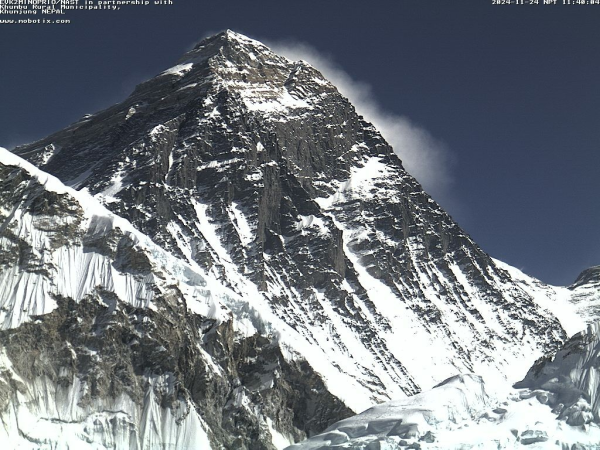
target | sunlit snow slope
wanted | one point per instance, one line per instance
(556, 406)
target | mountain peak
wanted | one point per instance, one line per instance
(260, 176)
(229, 44)
(231, 37)
(266, 82)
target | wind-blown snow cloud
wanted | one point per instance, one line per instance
(423, 156)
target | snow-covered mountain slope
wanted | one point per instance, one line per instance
(255, 168)
(108, 341)
(557, 405)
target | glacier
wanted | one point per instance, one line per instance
(555, 406)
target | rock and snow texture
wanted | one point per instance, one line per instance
(108, 341)
(557, 299)
(60, 248)
(556, 406)
(58, 242)
(349, 284)
(585, 294)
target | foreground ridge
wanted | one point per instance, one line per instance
(132, 347)
(555, 406)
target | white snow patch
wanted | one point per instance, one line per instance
(361, 184)
(208, 231)
(157, 131)
(277, 439)
(241, 224)
(130, 113)
(284, 102)
(179, 70)
(307, 222)
(116, 184)
(461, 413)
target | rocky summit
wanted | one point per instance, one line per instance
(232, 257)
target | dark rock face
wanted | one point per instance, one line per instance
(533, 436)
(136, 344)
(255, 169)
(588, 277)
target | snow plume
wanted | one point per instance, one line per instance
(423, 156)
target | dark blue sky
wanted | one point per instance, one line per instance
(512, 90)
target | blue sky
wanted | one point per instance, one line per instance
(508, 96)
